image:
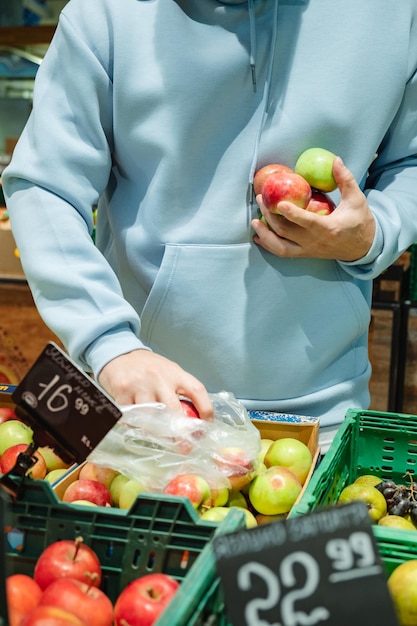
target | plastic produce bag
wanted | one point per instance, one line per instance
(153, 444)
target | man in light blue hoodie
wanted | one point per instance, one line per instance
(160, 112)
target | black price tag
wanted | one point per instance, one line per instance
(65, 407)
(323, 568)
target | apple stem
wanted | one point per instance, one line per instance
(78, 542)
(91, 578)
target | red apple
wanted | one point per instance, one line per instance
(81, 599)
(290, 453)
(274, 491)
(236, 466)
(67, 558)
(262, 174)
(13, 432)
(189, 408)
(191, 486)
(51, 616)
(9, 457)
(91, 471)
(143, 600)
(285, 186)
(7, 413)
(320, 203)
(92, 490)
(23, 594)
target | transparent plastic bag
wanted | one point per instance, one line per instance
(153, 444)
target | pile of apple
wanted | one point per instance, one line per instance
(307, 185)
(65, 591)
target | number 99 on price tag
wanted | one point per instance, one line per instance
(323, 568)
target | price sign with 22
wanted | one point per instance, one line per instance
(319, 569)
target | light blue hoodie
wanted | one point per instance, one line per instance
(161, 111)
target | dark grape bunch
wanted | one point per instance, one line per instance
(401, 499)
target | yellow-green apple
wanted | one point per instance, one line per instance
(55, 475)
(51, 616)
(23, 594)
(142, 601)
(375, 501)
(129, 492)
(264, 172)
(285, 186)
(315, 165)
(274, 491)
(52, 459)
(91, 471)
(402, 585)
(218, 513)
(10, 455)
(191, 486)
(67, 558)
(291, 453)
(369, 479)
(84, 489)
(80, 599)
(396, 521)
(84, 503)
(268, 519)
(116, 486)
(13, 432)
(219, 496)
(320, 203)
(236, 498)
(265, 443)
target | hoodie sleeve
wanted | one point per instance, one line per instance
(59, 169)
(391, 190)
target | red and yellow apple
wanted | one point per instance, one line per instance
(285, 187)
(191, 486)
(274, 491)
(143, 600)
(81, 599)
(264, 172)
(92, 490)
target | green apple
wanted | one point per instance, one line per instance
(116, 486)
(265, 444)
(236, 498)
(55, 475)
(315, 165)
(290, 453)
(268, 519)
(375, 501)
(52, 459)
(220, 496)
(402, 585)
(218, 513)
(13, 432)
(274, 491)
(129, 492)
(396, 521)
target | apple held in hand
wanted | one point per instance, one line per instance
(9, 457)
(274, 491)
(80, 599)
(191, 486)
(143, 600)
(23, 595)
(13, 432)
(264, 172)
(67, 558)
(375, 501)
(189, 408)
(315, 165)
(285, 186)
(290, 453)
(320, 203)
(92, 490)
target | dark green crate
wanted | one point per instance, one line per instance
(413, 274)
(159, 533)
(368, 442)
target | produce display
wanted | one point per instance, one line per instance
(306, 185)
(65, 589)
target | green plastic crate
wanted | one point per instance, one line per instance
(368, 442)
(159, 533)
